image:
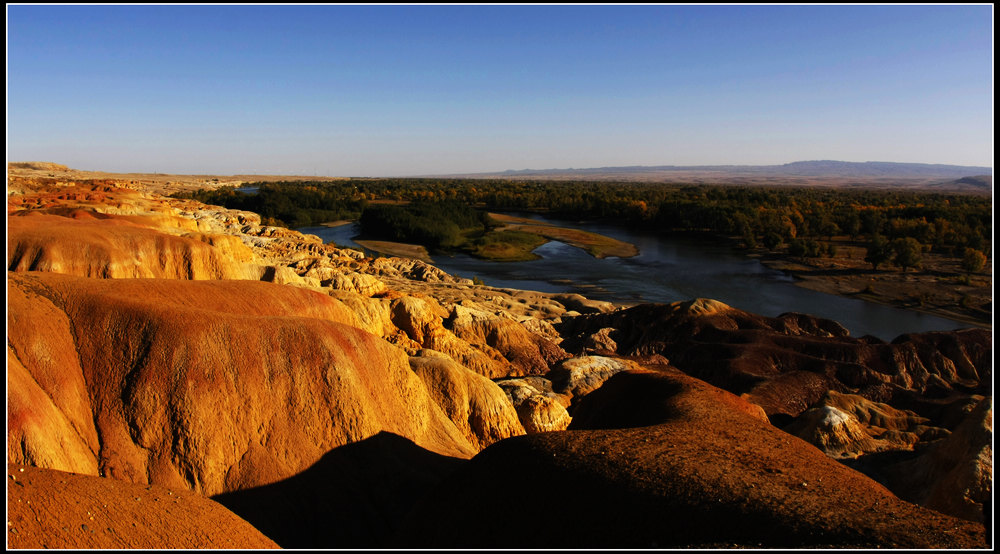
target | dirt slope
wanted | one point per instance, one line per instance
(55, 509)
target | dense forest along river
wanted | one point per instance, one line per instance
(669, 269)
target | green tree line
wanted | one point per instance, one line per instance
(290, 205)
(440, 226)
(796, 218)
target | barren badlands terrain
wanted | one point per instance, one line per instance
(182, 376)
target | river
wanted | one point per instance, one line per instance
(669, 269)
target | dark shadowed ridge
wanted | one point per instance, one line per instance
(658, 459)
(984, 182)
(353, 497)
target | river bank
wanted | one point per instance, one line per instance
(597, 245)
(680, 267)
(515, 241)
(938, 288)
(398, 249)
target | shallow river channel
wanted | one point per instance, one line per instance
(669, 269)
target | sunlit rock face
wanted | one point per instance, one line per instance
(487, 344)
(528, 353)
(477, 406)
(115, 248)
(205, 385)
(538, 408)
(544, 403)
(582, 375)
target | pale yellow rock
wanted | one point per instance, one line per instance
(116, 249)
(540, 414)
(365, 285)
(476, 405)
(538, 407)
(579, 376)
(529, 354)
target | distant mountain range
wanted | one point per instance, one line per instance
(824, 173)
(815, 168)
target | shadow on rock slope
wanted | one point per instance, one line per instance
(353, 497)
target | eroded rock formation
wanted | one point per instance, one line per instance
(167, 343)
(213, 385)
(953, 475)
(476, 405)
(848, 426)
(538, 408)
(788, 363)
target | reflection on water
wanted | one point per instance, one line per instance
(669, 269)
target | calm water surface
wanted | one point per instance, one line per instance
(669, 269)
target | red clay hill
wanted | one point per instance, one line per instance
(54, 509)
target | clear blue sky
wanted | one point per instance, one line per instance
(404, 90)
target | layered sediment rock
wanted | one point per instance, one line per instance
(527, 353)
(851, 397)
(114, 248)
(577, 377)
(541, 413)
(538, 408)
(544, 403)
(953, 475)
(491, 345)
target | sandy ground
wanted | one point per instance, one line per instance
(596, 245)
(397, 249)
(159, 183)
